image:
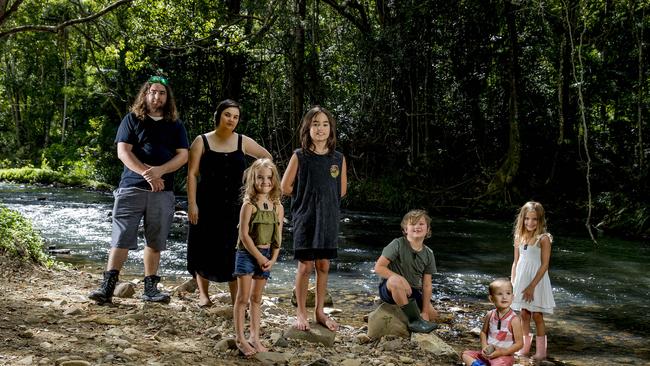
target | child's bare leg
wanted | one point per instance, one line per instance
(322, 272)
(302, 281)
(525, 321)
(540, 327)
(433, 313)
(255, 312)
(467, 359)
(398, 290)
(203, 284)
(232, 286)
(239, 314)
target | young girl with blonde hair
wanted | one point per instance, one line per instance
(260, 237)
(532, 286)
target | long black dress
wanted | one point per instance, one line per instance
(211, 242)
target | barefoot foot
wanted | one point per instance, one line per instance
(246, 349)
(301, 323)
(259, 347)
(327, 322)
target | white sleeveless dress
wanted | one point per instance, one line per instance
(530, 259)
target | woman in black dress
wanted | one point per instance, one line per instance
(216, 166)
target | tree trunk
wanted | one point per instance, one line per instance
(18, 119)
(234, 64)
(640, 94)
(65, 85)
(298, 71)
(503, 178)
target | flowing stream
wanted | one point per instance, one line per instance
(602, 291)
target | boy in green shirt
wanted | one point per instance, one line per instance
(406, 266)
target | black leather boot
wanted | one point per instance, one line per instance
(151, 292)
(104, 294)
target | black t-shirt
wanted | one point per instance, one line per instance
(154, 143)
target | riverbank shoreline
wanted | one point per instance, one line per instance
(47, 319)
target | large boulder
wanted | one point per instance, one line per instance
(388, 319)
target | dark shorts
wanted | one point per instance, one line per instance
(387, 297)
(246, 264)
(132, 205)
(314, 254)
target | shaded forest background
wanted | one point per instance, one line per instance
(467, 107)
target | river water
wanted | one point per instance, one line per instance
(602, 291)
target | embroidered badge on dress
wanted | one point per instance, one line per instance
(334, 171)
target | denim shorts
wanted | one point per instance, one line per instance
(386, 296)
(246, 264)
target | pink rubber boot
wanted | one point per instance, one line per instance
(540, 348)
(526, 348)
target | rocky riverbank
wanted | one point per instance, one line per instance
(48, 320)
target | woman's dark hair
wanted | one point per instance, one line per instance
(223, 105)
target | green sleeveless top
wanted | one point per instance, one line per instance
(264, 228)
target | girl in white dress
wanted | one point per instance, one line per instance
(532, 286)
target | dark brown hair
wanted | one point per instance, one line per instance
(223, 105)
(305, 139)
(139, 106)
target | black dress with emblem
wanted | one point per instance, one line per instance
(211, 242)
(315, 205)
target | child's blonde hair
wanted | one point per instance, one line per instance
(413, 217)
(249, 192)
(519, 230)
(496, 284)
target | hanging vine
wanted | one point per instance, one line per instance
(578, 76)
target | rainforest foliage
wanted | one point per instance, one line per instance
(461, 107)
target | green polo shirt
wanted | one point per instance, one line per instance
(409, 263)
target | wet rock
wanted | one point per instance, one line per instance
(75, 363)
(319, 362)
(273, 358)
(75, 310)
(278, 340)
(311, 298)
(433, 344)
(188, 286)
(131, 352)
(316, 334)
(363, 338)
(26, 334)
(29, 360)
(222, 311)
(115, 332)
(124, 290)
(213, 333)
(392, 344)
(349, 362)
(226, 344)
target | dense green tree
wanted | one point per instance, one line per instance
(458, 107)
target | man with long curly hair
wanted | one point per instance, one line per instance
(152, 143)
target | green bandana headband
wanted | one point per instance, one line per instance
(158, 80)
